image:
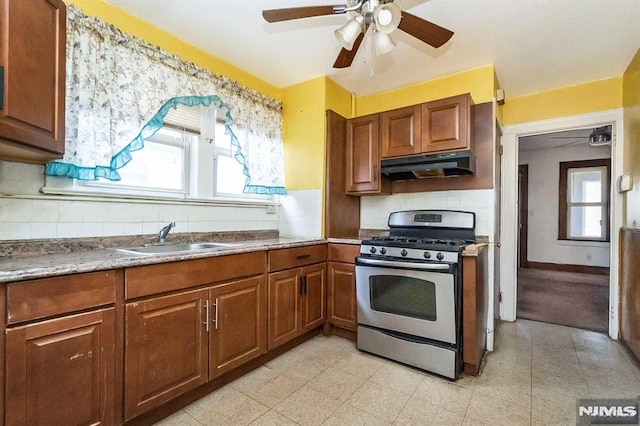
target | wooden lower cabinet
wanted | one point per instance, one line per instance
(296, 302)
(176, 343)
(238, 324)
(61, 371)
(166, 350)
(341, 295)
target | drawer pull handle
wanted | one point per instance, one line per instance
(206, 314)
(303, 256)
(215, 315)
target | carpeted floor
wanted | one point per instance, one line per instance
(565, 298)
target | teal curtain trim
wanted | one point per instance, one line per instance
(148, 130)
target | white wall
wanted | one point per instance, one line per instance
(543, 244)
(301, 213)
(26, 214)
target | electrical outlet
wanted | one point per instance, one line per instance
(272, 209)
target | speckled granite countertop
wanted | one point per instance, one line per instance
(18, 268)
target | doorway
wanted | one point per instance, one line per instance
(564, 193)
(510, 205)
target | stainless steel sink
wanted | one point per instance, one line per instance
(176, 248)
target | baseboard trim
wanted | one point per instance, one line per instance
(584, 269)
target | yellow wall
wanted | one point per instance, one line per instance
(594, 96)
(480, 82)
(132, 25)
(304, 134)
(631, 100)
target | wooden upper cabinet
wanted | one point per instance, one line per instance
(32, 44)
(446, 124)
(362, 169)
(400, 132)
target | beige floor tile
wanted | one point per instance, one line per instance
(323, 350)
(266, 386)
(360, 364)
(296, 367)
(483, 408)
(564, 381)
(273, 418)
(350, 415)
(447, 418)
(307, 406)
(466, 381)
(443, 393)
(180, 418)
(508, 390)
(548, 407)
(416, 412)
(336, 383)
(608, 383)
(379, 401)
(226, 406)
(613, 359)
(398, 377)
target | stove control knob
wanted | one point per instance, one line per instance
(440, 256)
(372, 250)
(404, 252)
(383, 250)
(427, 255)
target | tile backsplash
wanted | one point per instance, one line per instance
(374, 211)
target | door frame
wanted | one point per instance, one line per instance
(523, 212)
(509, 222)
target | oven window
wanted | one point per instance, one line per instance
(405, 296)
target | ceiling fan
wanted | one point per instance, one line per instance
(382, 16)
(599, 136)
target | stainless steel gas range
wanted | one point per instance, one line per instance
(409, 291)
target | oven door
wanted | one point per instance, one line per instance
(398, 297)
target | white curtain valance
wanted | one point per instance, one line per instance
(119, 88)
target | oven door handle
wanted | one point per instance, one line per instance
(391, 263)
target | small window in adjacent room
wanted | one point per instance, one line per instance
(584, 200)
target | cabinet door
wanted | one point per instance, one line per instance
(363, 155)
(341, 295)
(166, 349)
(238, 321)
(33, 58)
(313, 298)
(283, 309)
(446, 124)
(61, 371)
(400, 132)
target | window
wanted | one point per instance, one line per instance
(192, 156)
(584, 200)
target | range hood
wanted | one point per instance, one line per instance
(445, 164)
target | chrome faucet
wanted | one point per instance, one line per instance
(162, 234)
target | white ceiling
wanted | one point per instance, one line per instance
(535, 44)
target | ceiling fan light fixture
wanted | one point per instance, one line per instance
(387, 17)
(382, 42)
(348, 33)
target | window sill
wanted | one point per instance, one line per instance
(578, 243)
(61, 194)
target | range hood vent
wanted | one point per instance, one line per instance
(445, 164)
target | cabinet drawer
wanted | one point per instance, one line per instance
(343, 252)
(146, 280)
(30, 300)
(296, 257)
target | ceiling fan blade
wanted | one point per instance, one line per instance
(345, 57)
(426, 31)
(569, 144)
(278, 15)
